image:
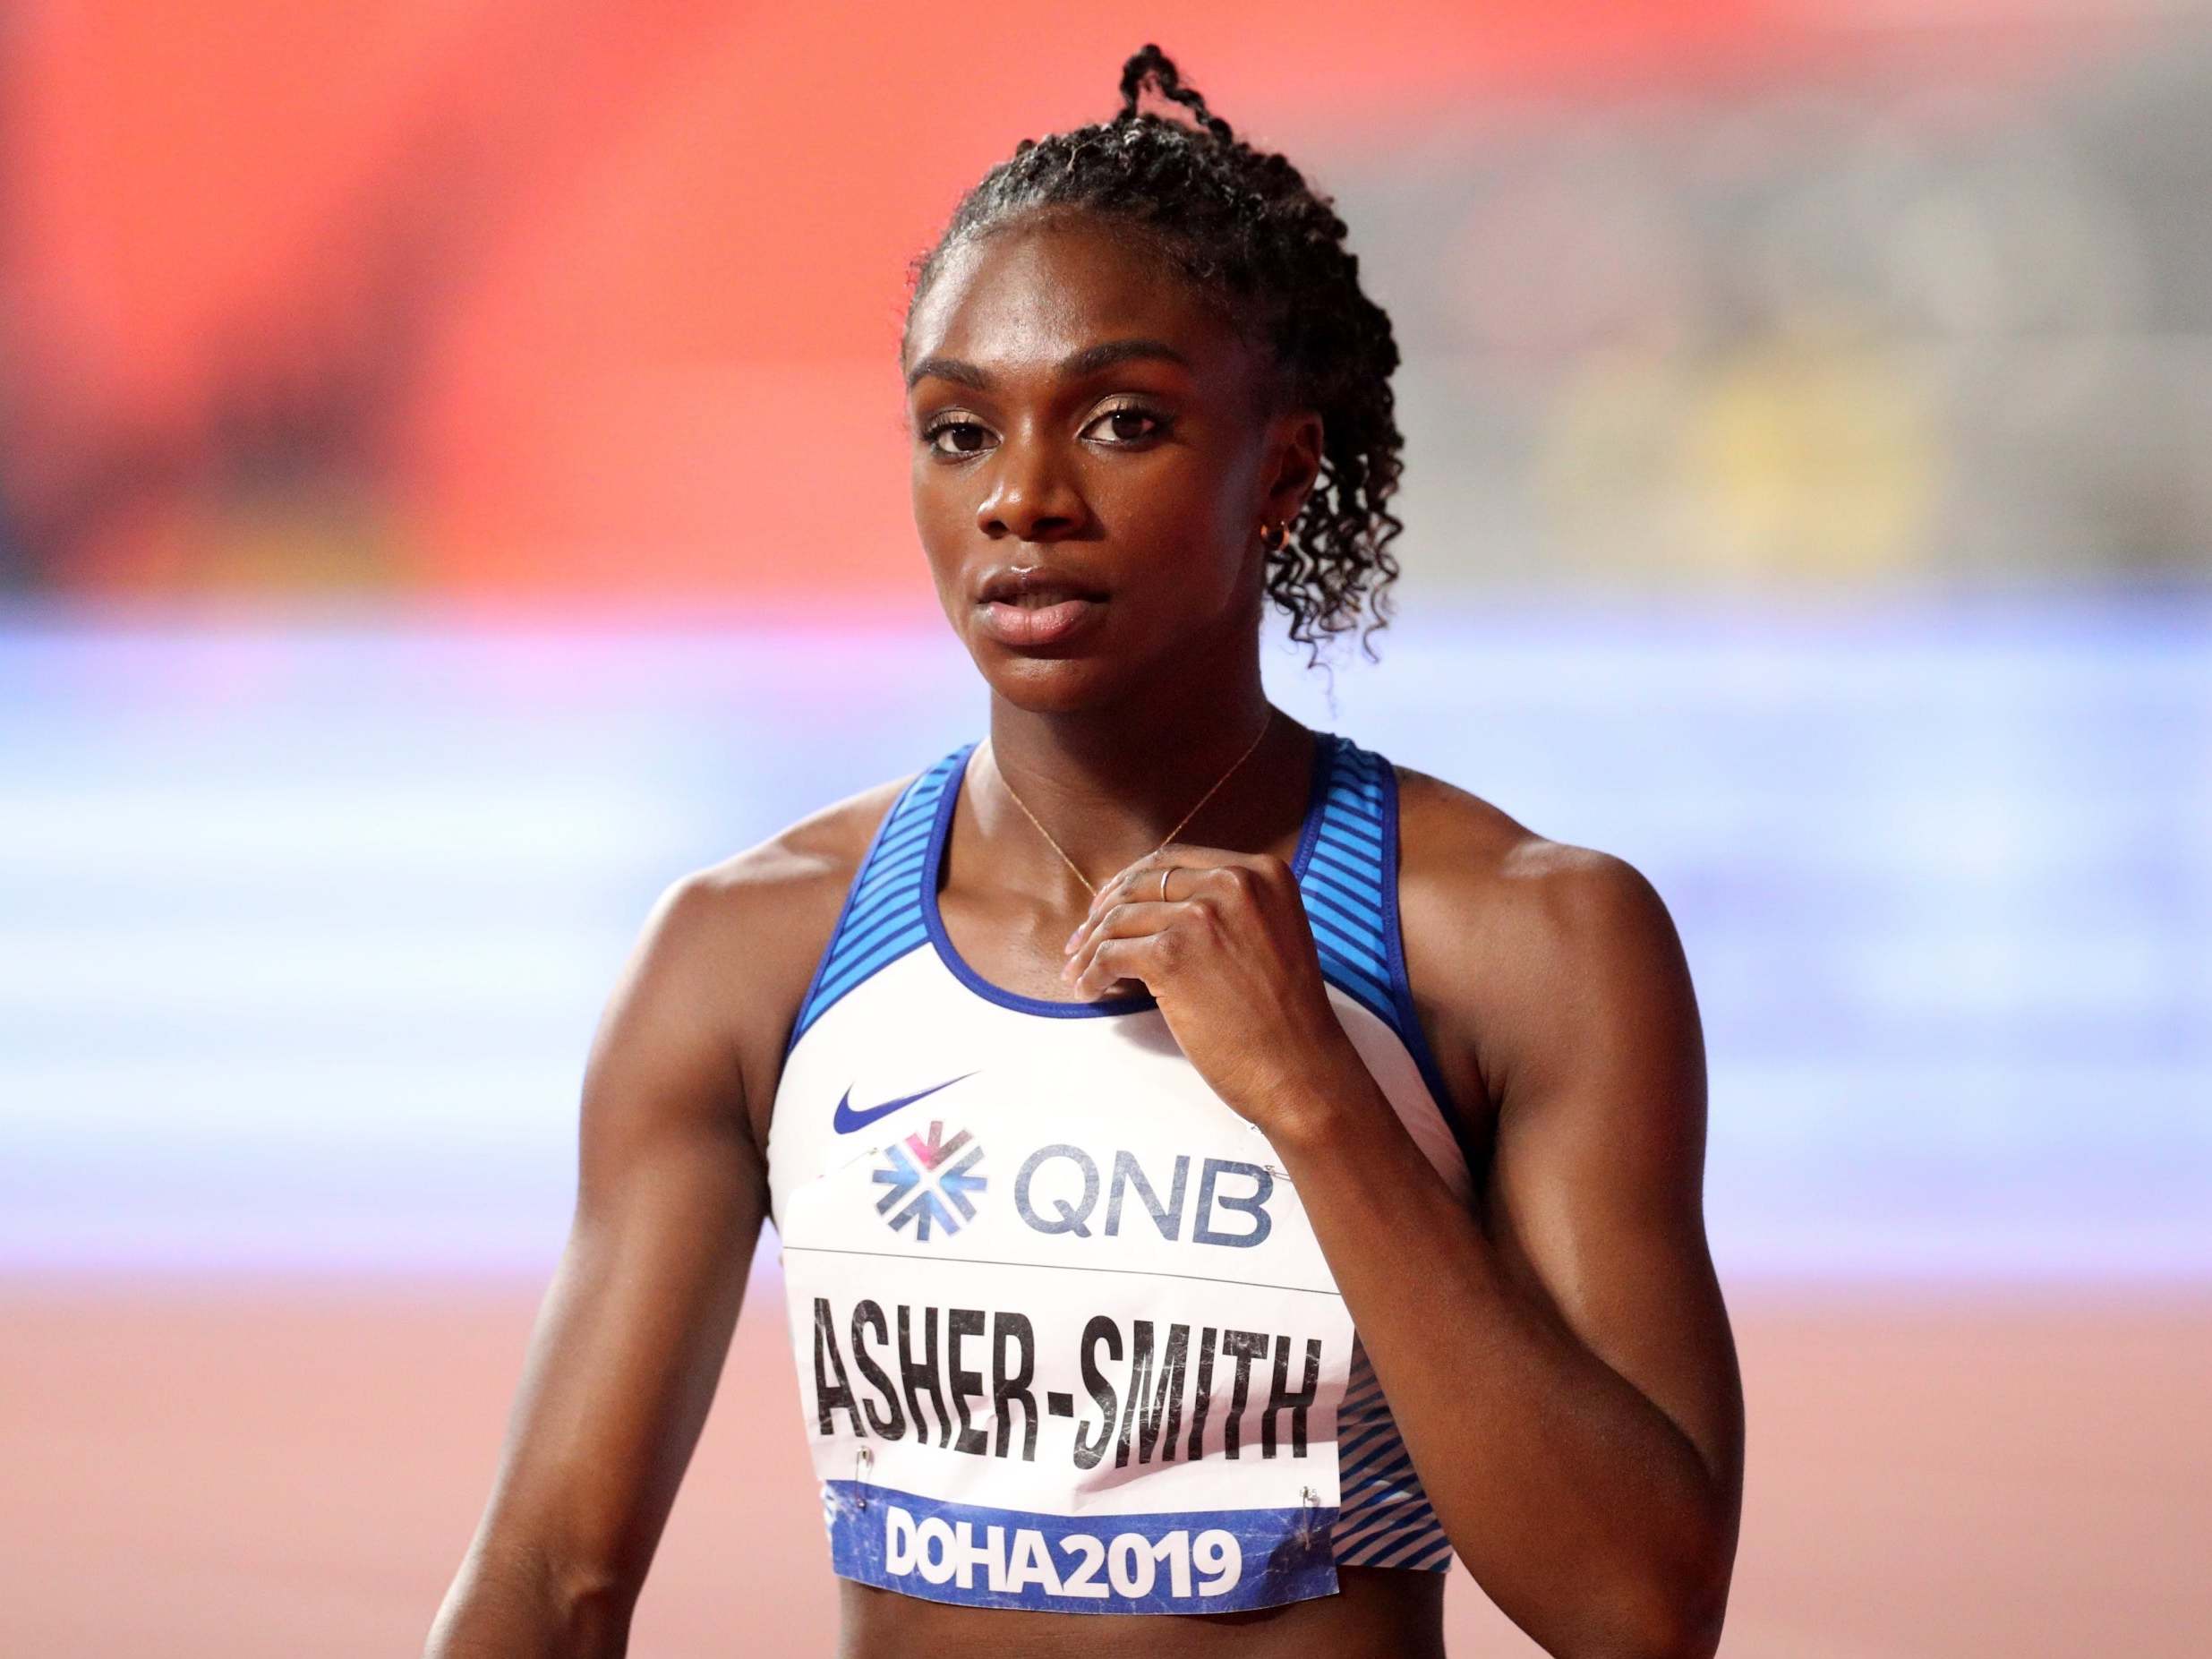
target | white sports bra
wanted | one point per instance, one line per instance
(1066, 1338)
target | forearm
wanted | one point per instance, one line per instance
(502, 1608)
(1583, 1511)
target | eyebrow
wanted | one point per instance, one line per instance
(1073, 366)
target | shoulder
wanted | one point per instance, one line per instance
(797, 866)
(1500, 876)
(743, 935)
(1527, 948)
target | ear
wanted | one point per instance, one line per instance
(1293, 464)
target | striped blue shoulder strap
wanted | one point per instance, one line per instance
(882, 918)
(1349, 881)
(1348, 876)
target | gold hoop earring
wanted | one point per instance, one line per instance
(1273, 536)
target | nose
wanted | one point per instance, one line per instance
(1031, 497)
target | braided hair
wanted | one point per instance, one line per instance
(1266, 251)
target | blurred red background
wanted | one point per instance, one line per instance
(587, 298)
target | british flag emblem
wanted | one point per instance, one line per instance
(928, 1182)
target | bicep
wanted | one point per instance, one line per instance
(1595, 1193)
(634, 1330)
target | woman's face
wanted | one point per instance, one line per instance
(1091, 464)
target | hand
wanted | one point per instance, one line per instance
(1230, 958)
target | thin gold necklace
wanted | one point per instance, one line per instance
(1266, 726)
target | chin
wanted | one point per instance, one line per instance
(1045, 685)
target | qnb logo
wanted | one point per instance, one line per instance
(1059, 1189)
(928, 1182)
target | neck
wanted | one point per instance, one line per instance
(1111, 782)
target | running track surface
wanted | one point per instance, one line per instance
(260, 1470)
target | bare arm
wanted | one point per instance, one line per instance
(1559, 1361)
(630, 1340)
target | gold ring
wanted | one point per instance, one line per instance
(1164, 874)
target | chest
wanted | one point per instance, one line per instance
(919, 1115)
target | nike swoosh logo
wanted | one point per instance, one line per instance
(847, 1120)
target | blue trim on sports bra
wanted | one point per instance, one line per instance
(879, 922)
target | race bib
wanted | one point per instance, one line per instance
(1129, 1402)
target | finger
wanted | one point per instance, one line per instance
(1130, 881)
(1135, 959)
(1165, 884)
(1125, 920)
(1235, 882)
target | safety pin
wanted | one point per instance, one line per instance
(1310, 1505)
(863, 1461)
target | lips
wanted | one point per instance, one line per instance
(1031, 606)
(1043, 593)
(1035, 585)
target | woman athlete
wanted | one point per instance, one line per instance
(1222, 1176)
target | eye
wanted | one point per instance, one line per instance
(964, 432)
(1124, 419)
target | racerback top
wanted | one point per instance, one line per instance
(1066, 1338)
